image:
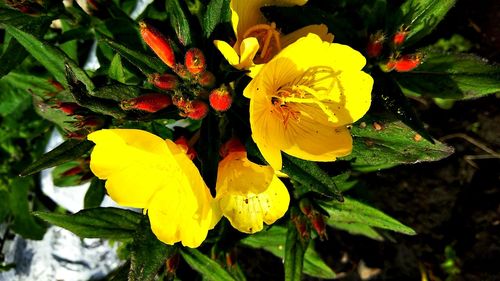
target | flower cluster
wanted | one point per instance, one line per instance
(305, 91)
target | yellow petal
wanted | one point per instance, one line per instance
(248, 49)
(319, 29)
(249, 194)
(356, 92)
(228, 52)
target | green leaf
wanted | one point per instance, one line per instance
(144, 63)
(207, 267)
(393, 99)
(4, 207)
(117, 92)
(116, 69)
(179, 21)
(273, 240)
(148, 254)
(107, 223)
(310, 177)
(357, 229)
(24, 223)
(451, 76)
(392, 145)
(95, 194)
(217, 12)
(295, 249)
(421, 16)
(352, 211)
(52, 58)
(67, 151)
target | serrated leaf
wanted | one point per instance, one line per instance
(107, 223)
(148, 254)
(207, 267)
(310, 177)
(67, 151)
(179, 21)
(144, 63)
(273, 240)
(295, 249)
(382, 142)
(52, 58)
(421, 17)
(393, 99)
(451, 76)
(95, 194)
(217, 12)
(357, 229)
(24, 223)
(352, 211)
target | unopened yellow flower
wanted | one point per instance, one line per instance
(144, 171)
(302, 100)
(249, 194)
(258, 41)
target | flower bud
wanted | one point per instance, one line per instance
(163, 81)
(149, 102)
(206, 79)
(306, 207)
(407, 63)
(78, 135)
(301, 226)
(318, 223)
(70, 108)
(72, 171)
(180, 101)
(220, 99)
(232, 145)
(56, 85)
(195, 61)
(158, 43)
(375, 44)
(172, 263)
(399, 38)
(230, 259)
(90, 123)
(196, 110)
(183, 143)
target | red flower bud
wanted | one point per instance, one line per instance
(183, 143)
(150, 102)
(195, 61)
(220, 99)
(318, 223)
(180, 101)
(72, 171)
(70, 108)
(407, 63)
(306, 207)
(158, 43)
(172, 263)
(301, 226)
(89, 122)
(399, 38)
(79, 135)
(196, 110)
(375, 44)
(206, 79)
(163, 81)
(232, 145)
(56, 85)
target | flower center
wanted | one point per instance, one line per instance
(269, 41)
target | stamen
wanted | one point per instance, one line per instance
(269, 41)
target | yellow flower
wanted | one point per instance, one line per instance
(249, 194)
(302, 100)
(258, 41)
(145, 171)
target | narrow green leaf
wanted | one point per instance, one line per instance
(310, 176)
(217, 12)
(117, 92)
(207, 267)
(179, 21)
(116, 69)
(421, 17)
(144, 63)
(451, 76)
(295, 249)
(393, 144)
(52, 58)
(352, 211)
(357, 229)
(67, 151)
(397, 103)
(148, 254)
(107, 223)
(95, 194)
(315, 266)
(24, 223)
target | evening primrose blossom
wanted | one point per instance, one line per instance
(258, 41)
(249, 194)
(144, 171)
(303, 99)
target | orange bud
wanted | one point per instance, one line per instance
(195, 61)
(232, 145)
(206, 79)
(196, 110)
(183, 143)
(70, 108)
(149, 102)
(407, 63)
(220, 99)
(375, 44)
(399, 38)
(158, 43)
(163, 81)
(180, 101)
